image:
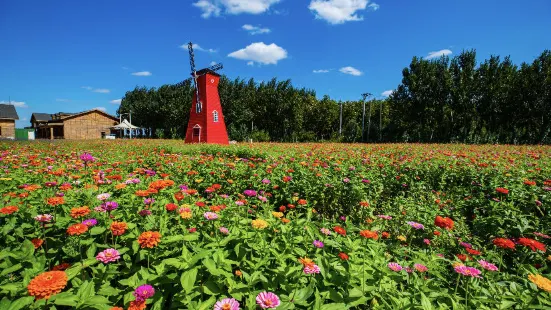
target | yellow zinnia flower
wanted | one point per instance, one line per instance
(402, 238)
(541, 282)
(186, 215)
(259, 224)
(277, 214)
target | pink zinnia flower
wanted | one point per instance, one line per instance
(224, 230)
(395, 267)
(468, 271)
(227, 304)
(318, 244)
(426, 241)
(267, 300)
(210, 216)
(44, 218)
(385, 217)
(416, 225)
(420, 268)
(108, 256)
(325, 231)
(310, 269)
(487, 265)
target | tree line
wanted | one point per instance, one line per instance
(439, 100)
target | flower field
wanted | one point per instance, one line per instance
(163, 225)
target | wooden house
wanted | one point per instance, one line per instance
(92, 124)
(8, 115)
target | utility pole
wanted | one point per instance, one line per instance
(364, 95)
(130, 114)
(340, 123)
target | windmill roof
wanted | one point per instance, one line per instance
(207, 70)
(8, 111)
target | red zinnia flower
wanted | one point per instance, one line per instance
(171, 207)
(343, 256)
(532, 244)
(368, 234)
(339, 230)
(502, 190)
(504, 243)
(473, 251)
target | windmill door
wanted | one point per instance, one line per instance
(196, 134)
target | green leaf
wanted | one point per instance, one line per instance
(91, 252)
(108, 291)
(188, 279)
(334, 306)
(191, 237)
(85, 290)
(64, 299)
(172, 239)
(425, 302)
(207, 304)
(77, 267)
(97, 230)
(11, 269)
(211, 266)
(211, 288)
(21, 303)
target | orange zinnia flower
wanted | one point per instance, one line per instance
(118, 228)
(80, 212)
(77, 229)
(443, 222)
(116, 308)
(149, 239)
(142, 193)
(368, 234)
(47, 284)
(9, 210)
(61, 266)
(532, 244)
(54, 201)
(120, 186)
(137, 305)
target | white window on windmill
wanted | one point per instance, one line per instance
(198, 107)
(215, 116)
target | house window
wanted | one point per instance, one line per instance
(215, 116)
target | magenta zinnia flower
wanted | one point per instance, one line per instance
(250, 192)
(318, 244)
(90, 222)
(210, 216)
(227, 304)
(487, 265)
(395, 267)
(467, 271)
(108, 256)
(267, 300)
(144, 292)
(86, 157)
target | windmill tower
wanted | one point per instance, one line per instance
(206, 120)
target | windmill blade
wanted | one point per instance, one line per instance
(216, 67)
(194, 75)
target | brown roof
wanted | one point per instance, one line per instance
(87, 112)
(8, 111)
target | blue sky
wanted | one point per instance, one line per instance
(72, 56)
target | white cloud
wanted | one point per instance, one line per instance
(255, 29)
(437, 54)
(340, 11)
(24, 119)
(116, 101)
(17, 104)
(387, 93)
(260, 53)
(100, 108)
(142, 73)
(125, 68)
(321, 71)
(62, 100)
(215, 7)
(351, 70)
(97, 90)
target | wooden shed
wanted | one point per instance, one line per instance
(8, 115)
(92, 124)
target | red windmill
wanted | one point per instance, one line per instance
(206, 120)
